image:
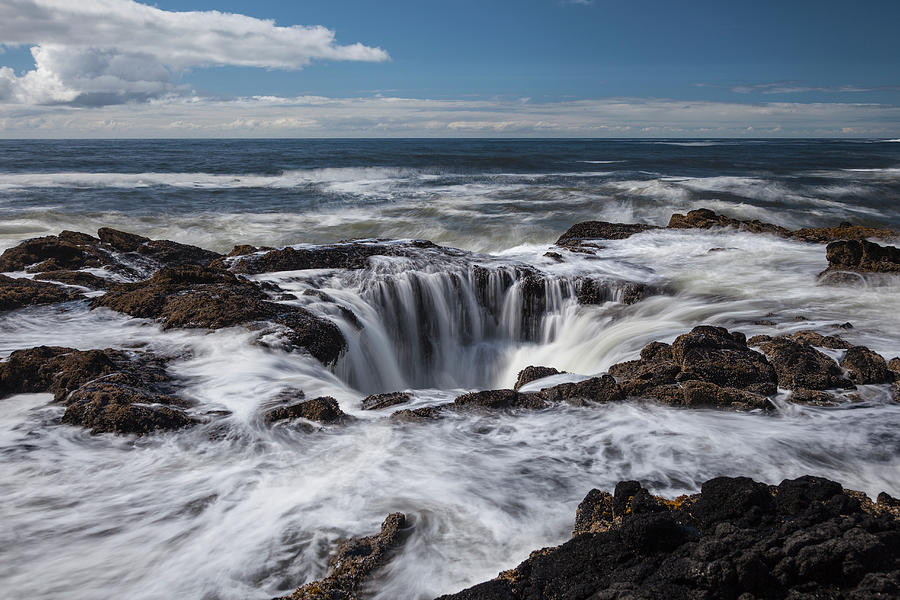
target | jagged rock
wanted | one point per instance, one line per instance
(844, 231)
(419, 415)
(529, 374)
(804, 336)
(597, 389)
(703, 218)
(353, 255)
(814, 398)
(800, 366)
(128, 253)
(353, 563)
(592, 291)
(379, 401)
(862, 256)
(18, 292)
(82, 278)
(894, 366)
(600, 230)
(865, 366)
(324, 410)
(103, 390)
(805, 538)
(499, 399)
(194, 296)
(699, 394)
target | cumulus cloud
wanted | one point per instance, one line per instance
(99, 52)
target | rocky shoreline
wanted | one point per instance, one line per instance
(803, 538)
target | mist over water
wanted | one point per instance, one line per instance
(236, 509)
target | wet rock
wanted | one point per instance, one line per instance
(82, 278)
(805, 538)
(352, 255)
(354, 561)
(600, 230)
(594, 291)
(379, 401)
(18, 292)
(865, 366)
(800, 366)
(244, 249)
(862, 256)
(703, 218)
(103, 390)
(597, 389)
(529, 374)
(815, 398)
(193, 296)
(894, 366)
(325, 410)
(126, 253)
(555, 256)
(702, 394)
(419, 415)
(804, 336)
(498, 399)
(844, 231)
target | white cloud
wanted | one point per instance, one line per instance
(98, 52)
(315, 116)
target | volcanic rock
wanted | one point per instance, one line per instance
(81, 278)
(862, 256)
(597, 389)
(18, 292)
(805, 538)
(529, 374)
(703, 218)
(865, 366)
(351, 255)
(103, 390)
(354, 562)
(498, 399)
(800, 366)
(600, 230)
(844, 231)
(324, 410)
(195, 296)
(805, 336)
(894, 366)
(379, 401)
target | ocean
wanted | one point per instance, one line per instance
(235, 509)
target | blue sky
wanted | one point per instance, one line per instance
(403, 68)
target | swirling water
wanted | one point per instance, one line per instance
(236, 509)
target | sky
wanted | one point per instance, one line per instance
(452, 68)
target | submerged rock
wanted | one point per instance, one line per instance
(354, 561)
(600, 230)
(325, 410)
(737, 538)
(18, 292)
(498, 399)
(103, 390)
(194, 296)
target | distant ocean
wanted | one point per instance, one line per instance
(234, 508)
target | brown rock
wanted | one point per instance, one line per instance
(802, 367)
(894, 366)
(845, 231)
(862, 256)
(18, 292)
(817, 339)
(600, 230)
(597, 389)
(354, 561)
(194, 296)
(82, 278)
(379, 401)
(419, 415)
(498, 399)
(65, 251)
(324, 410)
(703, 218)
(865, 366)
(529, 374)
(354, 255)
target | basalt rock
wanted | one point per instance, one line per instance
(597, 389)
(351, 255)
(529, 374)
(802, 367)
(862, 256)
(805, 538)
(126, 253)
(193, 296)
(324, 410)
(80, 278)
(379, 401)
(805, 336)
(894, 366)
(600, 230)
(865, 366)
(703, 218)
(844, 231)
(593, 291)
(103, 390)
(709, 366)
(354, 562)
(498, 399)
(18, 292)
